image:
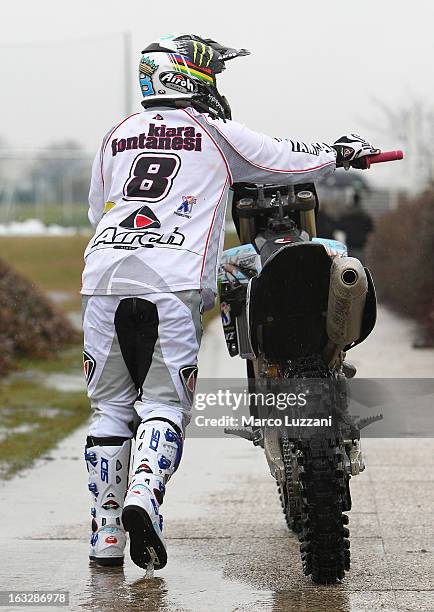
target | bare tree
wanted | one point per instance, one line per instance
(413, 126)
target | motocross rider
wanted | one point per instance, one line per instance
(157, 202)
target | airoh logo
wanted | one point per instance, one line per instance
(178, 82)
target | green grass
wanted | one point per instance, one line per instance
(48, 414)
(52, 263)
(69, 361)
(73, 214)
(55, 263)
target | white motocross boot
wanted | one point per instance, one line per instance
(156, 457)
(108, 479)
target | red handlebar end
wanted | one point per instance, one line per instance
(386, 156)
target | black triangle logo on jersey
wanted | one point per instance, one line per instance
(143, 218)
(158, 118)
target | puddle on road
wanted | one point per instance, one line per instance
(182, 585)
(223, 557)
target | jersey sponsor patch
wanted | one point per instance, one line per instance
(89, 365)
(188, 376)
(141, 219)
(135, 239)
(185, 208)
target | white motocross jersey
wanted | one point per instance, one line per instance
(159, 191)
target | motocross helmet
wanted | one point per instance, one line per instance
(180, 70)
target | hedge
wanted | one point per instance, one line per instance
(401, 257)
(29, 324)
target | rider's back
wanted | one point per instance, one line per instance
(157, 201)
(159, 191)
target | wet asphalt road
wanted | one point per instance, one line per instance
(229, 548)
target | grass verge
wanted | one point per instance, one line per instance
(74, 214)
(55, 263)
(34, 416)
(51, 263)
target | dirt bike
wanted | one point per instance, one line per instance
(292, 306)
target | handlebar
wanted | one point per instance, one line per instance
(385, 156)
(363, 163)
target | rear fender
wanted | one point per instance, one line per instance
(287, 302)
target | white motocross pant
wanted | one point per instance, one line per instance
(140, 352)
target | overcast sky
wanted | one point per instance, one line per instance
(313, 73)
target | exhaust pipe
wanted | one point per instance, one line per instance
(347, 296)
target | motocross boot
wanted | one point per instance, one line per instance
(108, 478)
(156, 457)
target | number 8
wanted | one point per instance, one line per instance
(151, 177)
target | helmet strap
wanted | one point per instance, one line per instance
(171, 103)
(199, 103)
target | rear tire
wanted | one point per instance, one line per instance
(324, 495)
